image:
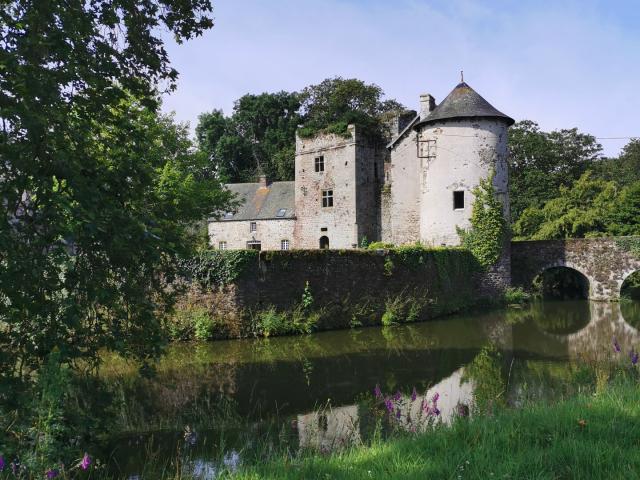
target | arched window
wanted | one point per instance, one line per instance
(324, 242)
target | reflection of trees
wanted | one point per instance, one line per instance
(630, 310)
(631, 287)
(485, 371)
(560, 317)
(561, 283)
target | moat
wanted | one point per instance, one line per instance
(214, 404)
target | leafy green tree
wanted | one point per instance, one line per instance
(580, 210)
(542, 162)
(259, 137)
(624, 216)
(337, 102)
(97, 190)
(624, 170)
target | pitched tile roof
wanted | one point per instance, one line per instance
(262, 203)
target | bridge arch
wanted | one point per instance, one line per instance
(630, 281)
(561, 280)
(604, 261)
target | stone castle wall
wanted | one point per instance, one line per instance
(236, 234)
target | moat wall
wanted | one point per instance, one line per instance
(345, 288)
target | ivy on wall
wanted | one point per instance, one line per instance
(215, 268)
(485, 239)
(630, 244)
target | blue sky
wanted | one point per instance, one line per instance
(561, 63)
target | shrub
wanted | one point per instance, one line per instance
(380, 246)
(516, 296)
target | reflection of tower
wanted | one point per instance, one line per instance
(329, 428)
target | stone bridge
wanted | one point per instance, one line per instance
(606, 262)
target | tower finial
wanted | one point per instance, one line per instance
(461, 76)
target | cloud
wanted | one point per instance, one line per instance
(563, 64)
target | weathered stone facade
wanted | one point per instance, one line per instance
(349, 188)
(349, 169)
(605, 262)
(238, 234)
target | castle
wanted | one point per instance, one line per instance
(350, 189)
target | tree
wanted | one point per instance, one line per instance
(580, 210)
(336, 102)
(258, 138)
(542, 162)
(624, 170)
(96, 189)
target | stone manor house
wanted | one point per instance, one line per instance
(418, 187)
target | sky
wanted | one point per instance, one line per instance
(563, 64)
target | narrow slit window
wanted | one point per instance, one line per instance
(327, 198)
(458, 200)
(253, 227)
(319, 162)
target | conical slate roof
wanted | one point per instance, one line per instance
(463, 102)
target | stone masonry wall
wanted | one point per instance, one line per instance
(360, 280)
(236, 234)
(605, 262)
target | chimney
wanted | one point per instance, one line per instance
(427, 104)
(262, 180)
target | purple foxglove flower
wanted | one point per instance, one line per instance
(388, 404)
(435, 398)
(616, 345)
(397, 396)
(414, 395)
(52, 473)
(86, 461)
(398, 413)
(1, 463)
(436, 411)
(634, 357)
(377, 392)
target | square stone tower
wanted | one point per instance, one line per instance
(337, 199)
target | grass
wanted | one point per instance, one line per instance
(584, 437)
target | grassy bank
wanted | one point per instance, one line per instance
(583, 437)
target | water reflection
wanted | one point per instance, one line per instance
(317, 391)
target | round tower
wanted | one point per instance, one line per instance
(460, 142)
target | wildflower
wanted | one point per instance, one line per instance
(231, 460)
(435, 397)
(463, 410)
(616, 345)
(52, 473)
(634, 357)
(398, 414)
(582, 423)
(414, 395)
(377, 392)
(86, 461)
(397, 396)
(388, 404)
(1, 463)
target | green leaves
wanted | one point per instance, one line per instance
(485, 239)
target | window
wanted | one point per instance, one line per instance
(458, 200)
(284, 244)
(427, 149)
(228, 215)
(254, 245)
(324, 242)
(323, 229)
(281, 212)
(319, 163)
(222, 245)
(253, 227)
(327, 198)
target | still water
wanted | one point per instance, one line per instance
(212, 405)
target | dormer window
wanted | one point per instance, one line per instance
(319, 163)
(228, 215)
(281, 213)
